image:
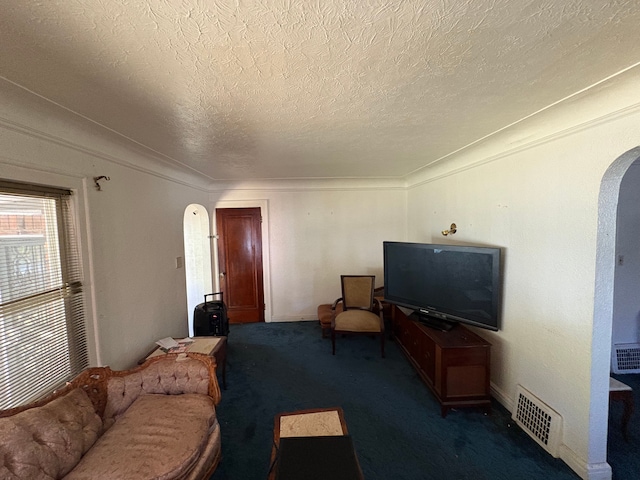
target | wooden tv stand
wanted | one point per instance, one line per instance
(455, 365)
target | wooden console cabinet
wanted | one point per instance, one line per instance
(455, 365)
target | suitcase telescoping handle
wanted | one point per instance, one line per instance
(211, 295)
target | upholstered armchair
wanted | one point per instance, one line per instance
(361, 311)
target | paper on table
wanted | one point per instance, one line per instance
(167, 343)
(203, 345)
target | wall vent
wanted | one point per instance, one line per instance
(626, 358)
(540, 421)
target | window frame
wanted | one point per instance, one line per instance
(69, 291)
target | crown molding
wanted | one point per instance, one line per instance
(37, 134)
(552, 137)
(310, 184)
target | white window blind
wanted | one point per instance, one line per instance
(42, 334)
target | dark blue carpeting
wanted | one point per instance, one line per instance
(392, 416)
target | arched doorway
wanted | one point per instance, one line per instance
(197, 255)
(604, 306)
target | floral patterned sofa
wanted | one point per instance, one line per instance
(157, 421)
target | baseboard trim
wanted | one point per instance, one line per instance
(293, 318)
(599, 471)
(500, 396)
(586, 471)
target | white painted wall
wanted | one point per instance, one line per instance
(626, 306)
(130, 232)
(533, 190)
(318, 231)
(140, 294)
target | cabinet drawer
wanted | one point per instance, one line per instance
(465, 356)
(466, 381)
(414, 341)
(427, 359)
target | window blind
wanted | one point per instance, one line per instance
(42, 334)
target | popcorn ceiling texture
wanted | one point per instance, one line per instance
(327, 88)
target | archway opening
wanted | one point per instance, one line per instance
(197, 255)
(604, 297)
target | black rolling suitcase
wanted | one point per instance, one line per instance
(210, 318)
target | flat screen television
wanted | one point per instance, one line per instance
(445, 284)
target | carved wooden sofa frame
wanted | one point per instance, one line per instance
(95, 383)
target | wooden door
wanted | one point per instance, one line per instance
(240, 263)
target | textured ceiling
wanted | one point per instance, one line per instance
(323, 88)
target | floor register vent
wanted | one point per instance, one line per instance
(626, 358)
(540, 421)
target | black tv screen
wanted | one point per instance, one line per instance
(445, 282)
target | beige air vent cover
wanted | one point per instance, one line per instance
(540, 421)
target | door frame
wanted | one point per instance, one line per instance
(263, 204)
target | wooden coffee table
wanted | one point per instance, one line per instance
(320, 422)
(215, 347)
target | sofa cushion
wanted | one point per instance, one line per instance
(158, 437)
(357, 321)
(46, 442)
(162, 377)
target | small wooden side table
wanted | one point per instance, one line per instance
(215, 347)
(622, 392)
(320, 422)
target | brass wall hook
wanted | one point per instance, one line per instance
(452, 229)
(96, 180)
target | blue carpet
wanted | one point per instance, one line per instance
(392, 416)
